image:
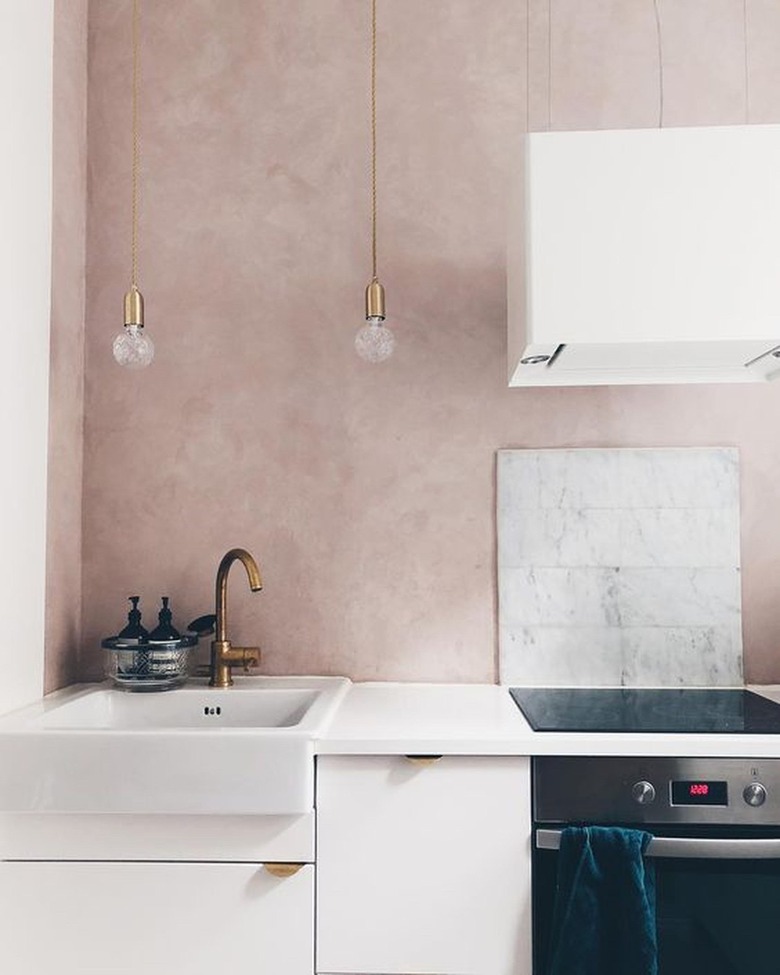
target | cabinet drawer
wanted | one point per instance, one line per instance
(80, 836)
(155, 918)
(423, 868)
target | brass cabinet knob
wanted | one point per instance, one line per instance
(423, 759)
(283, 870)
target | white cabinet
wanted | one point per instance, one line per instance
(646, 256)
(158, 895)
(92, 918)
(423, 868)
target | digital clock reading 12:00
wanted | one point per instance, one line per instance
(688, 793)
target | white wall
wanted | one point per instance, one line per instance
(25, 291)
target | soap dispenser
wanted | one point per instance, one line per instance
(165, 630)
(133, 633)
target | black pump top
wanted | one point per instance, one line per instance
(134, 630)
(164, 630)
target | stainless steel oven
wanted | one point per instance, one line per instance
(716, 847)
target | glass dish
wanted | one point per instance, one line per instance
(148, 666)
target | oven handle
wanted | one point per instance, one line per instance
(689, 848)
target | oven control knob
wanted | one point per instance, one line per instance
(754, 794)
(643, 793)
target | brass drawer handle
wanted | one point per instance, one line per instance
(283, 870)
(423, 759)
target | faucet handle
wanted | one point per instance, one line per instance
(245, 657)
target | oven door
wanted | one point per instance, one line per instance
(717, 902)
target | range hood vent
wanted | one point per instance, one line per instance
(646, 256)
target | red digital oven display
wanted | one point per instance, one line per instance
(699, 793)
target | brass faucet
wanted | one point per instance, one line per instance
(223, 654)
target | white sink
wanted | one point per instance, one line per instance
(94, 749)
(190, 708)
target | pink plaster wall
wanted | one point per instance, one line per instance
(66, 404)
(366, 493)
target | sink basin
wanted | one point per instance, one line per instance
(190, 709)
(195, 750)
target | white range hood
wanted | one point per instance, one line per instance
(646, 256)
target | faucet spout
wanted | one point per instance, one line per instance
(223, 654)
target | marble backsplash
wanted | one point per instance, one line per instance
(619, 567)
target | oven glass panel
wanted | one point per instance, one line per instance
(714, 917)
(717, 918)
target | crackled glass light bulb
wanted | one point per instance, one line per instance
(133, 348)
(375, 341)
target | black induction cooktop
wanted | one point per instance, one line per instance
(666, 710)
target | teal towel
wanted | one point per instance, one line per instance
(604, 915)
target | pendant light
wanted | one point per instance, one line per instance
(133, 348)
(374, 341)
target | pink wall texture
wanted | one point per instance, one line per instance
(366, 493)
(66, 411)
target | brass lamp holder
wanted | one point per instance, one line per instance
(134, 308)
(375, 300)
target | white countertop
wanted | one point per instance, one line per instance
(482, 719)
